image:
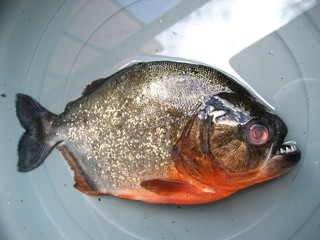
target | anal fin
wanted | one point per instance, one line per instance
(81, 183)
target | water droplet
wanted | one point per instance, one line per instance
(271, 52)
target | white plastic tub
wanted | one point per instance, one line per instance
(52, 49)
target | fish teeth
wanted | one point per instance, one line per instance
(287, 149)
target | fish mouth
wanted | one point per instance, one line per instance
(290, 151)
(286, 152)
(286, 155)
(288, 148)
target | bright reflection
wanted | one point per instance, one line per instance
(148, 11)
(218, 30)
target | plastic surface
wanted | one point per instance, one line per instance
(52, 49)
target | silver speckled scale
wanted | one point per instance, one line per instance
(122, 133)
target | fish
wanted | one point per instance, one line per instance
(161, 132)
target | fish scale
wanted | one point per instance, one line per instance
(122, 123)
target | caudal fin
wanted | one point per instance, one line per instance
(36, 143)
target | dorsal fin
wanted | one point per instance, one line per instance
(93, 86)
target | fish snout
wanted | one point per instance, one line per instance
(284, 155)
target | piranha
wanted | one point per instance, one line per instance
(160, 132)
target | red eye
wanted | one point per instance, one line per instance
(258, 134)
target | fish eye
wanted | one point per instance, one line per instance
(258, 134)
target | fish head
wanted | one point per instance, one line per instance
(235, 141)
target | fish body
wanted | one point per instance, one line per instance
(161, 132)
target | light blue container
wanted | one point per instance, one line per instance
(52, 49)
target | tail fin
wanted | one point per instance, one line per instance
(36, 143)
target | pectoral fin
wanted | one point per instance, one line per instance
(168, 187)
